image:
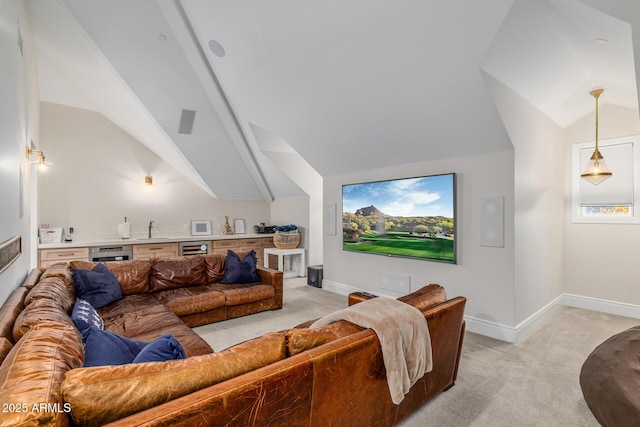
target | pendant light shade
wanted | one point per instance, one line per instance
(596, 170)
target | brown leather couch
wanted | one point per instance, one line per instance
(329, 376)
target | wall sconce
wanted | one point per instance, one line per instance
(596, 170)
(148, 180)
(41, 162)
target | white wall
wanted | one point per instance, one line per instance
(292, 210)
(485, 275)
(310, 181)
(98, 178)
(18, 126)
(601, 259)
(539, 205)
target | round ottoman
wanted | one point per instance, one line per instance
(610, 380)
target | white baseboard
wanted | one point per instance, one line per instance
(525, 328)
(601, 305)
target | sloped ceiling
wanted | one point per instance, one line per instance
(348, 85)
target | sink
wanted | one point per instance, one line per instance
(152, 239)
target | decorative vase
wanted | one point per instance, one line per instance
(226, 228)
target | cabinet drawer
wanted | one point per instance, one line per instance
(225, 244)
(250, 243)
(155, 250)
(64, 254)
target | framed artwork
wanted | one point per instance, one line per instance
(238, 225)
(9, 252)
(200, 227)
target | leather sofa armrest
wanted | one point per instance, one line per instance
(269, 276)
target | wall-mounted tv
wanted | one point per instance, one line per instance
(408, 217)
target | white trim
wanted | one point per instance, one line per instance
(601, 305)
(529, 325)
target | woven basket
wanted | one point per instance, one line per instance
(286, 240)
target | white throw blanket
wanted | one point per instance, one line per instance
(404, 338)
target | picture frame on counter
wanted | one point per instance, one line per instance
(201, 227)
(238, 226)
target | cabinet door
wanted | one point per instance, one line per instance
(245, 245)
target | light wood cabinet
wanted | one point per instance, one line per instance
(155, 250)
(47, 257)
(243, 245)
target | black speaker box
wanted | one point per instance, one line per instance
(314, 276)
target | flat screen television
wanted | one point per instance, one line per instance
(408, 217)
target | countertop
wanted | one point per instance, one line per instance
(143, 241)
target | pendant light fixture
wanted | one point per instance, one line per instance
(596, 170)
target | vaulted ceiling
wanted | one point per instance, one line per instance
(347, 85)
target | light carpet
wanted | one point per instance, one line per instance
(532, 383)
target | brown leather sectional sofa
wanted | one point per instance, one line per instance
(316, 377)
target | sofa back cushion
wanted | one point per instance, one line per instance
(133, 276)
(425, 297)
(39, 311)
(102, 394)
(215, 267)
(10, 310)
(302, 339)
(54, 289)
(61, 271)
(177, 272)
(33, 371)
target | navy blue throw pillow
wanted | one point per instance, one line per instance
(106, 348)
(98, 286)
(162, 349)
(84, 315)
(240, 270)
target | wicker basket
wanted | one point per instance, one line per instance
(286, 240)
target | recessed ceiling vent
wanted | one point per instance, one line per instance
(186, 122)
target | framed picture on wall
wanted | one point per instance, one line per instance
(200, 227)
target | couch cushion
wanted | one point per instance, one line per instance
(243, 293)
(99, 395)
(5, 347)
(178, 272)
(160, 350)
(98, 286)
(425, 297)
(52, 288)
(33, 372)
(302, 339)
(39, 311)
(215, 267)
(84, 315)
(191, 300)
(62, 271)
(240, 270)
(144, 318)
(12, 307)
(133, 276)
(106, 348)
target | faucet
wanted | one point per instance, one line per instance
(150, 227)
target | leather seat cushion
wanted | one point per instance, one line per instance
(133, 276)
(191, 300)
(243, 293)
(34, 369)
(144, 318)
(102, 394)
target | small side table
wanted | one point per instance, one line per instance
(281, 253)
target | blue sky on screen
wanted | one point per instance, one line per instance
(425, 196)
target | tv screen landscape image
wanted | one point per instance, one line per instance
(407, 217)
